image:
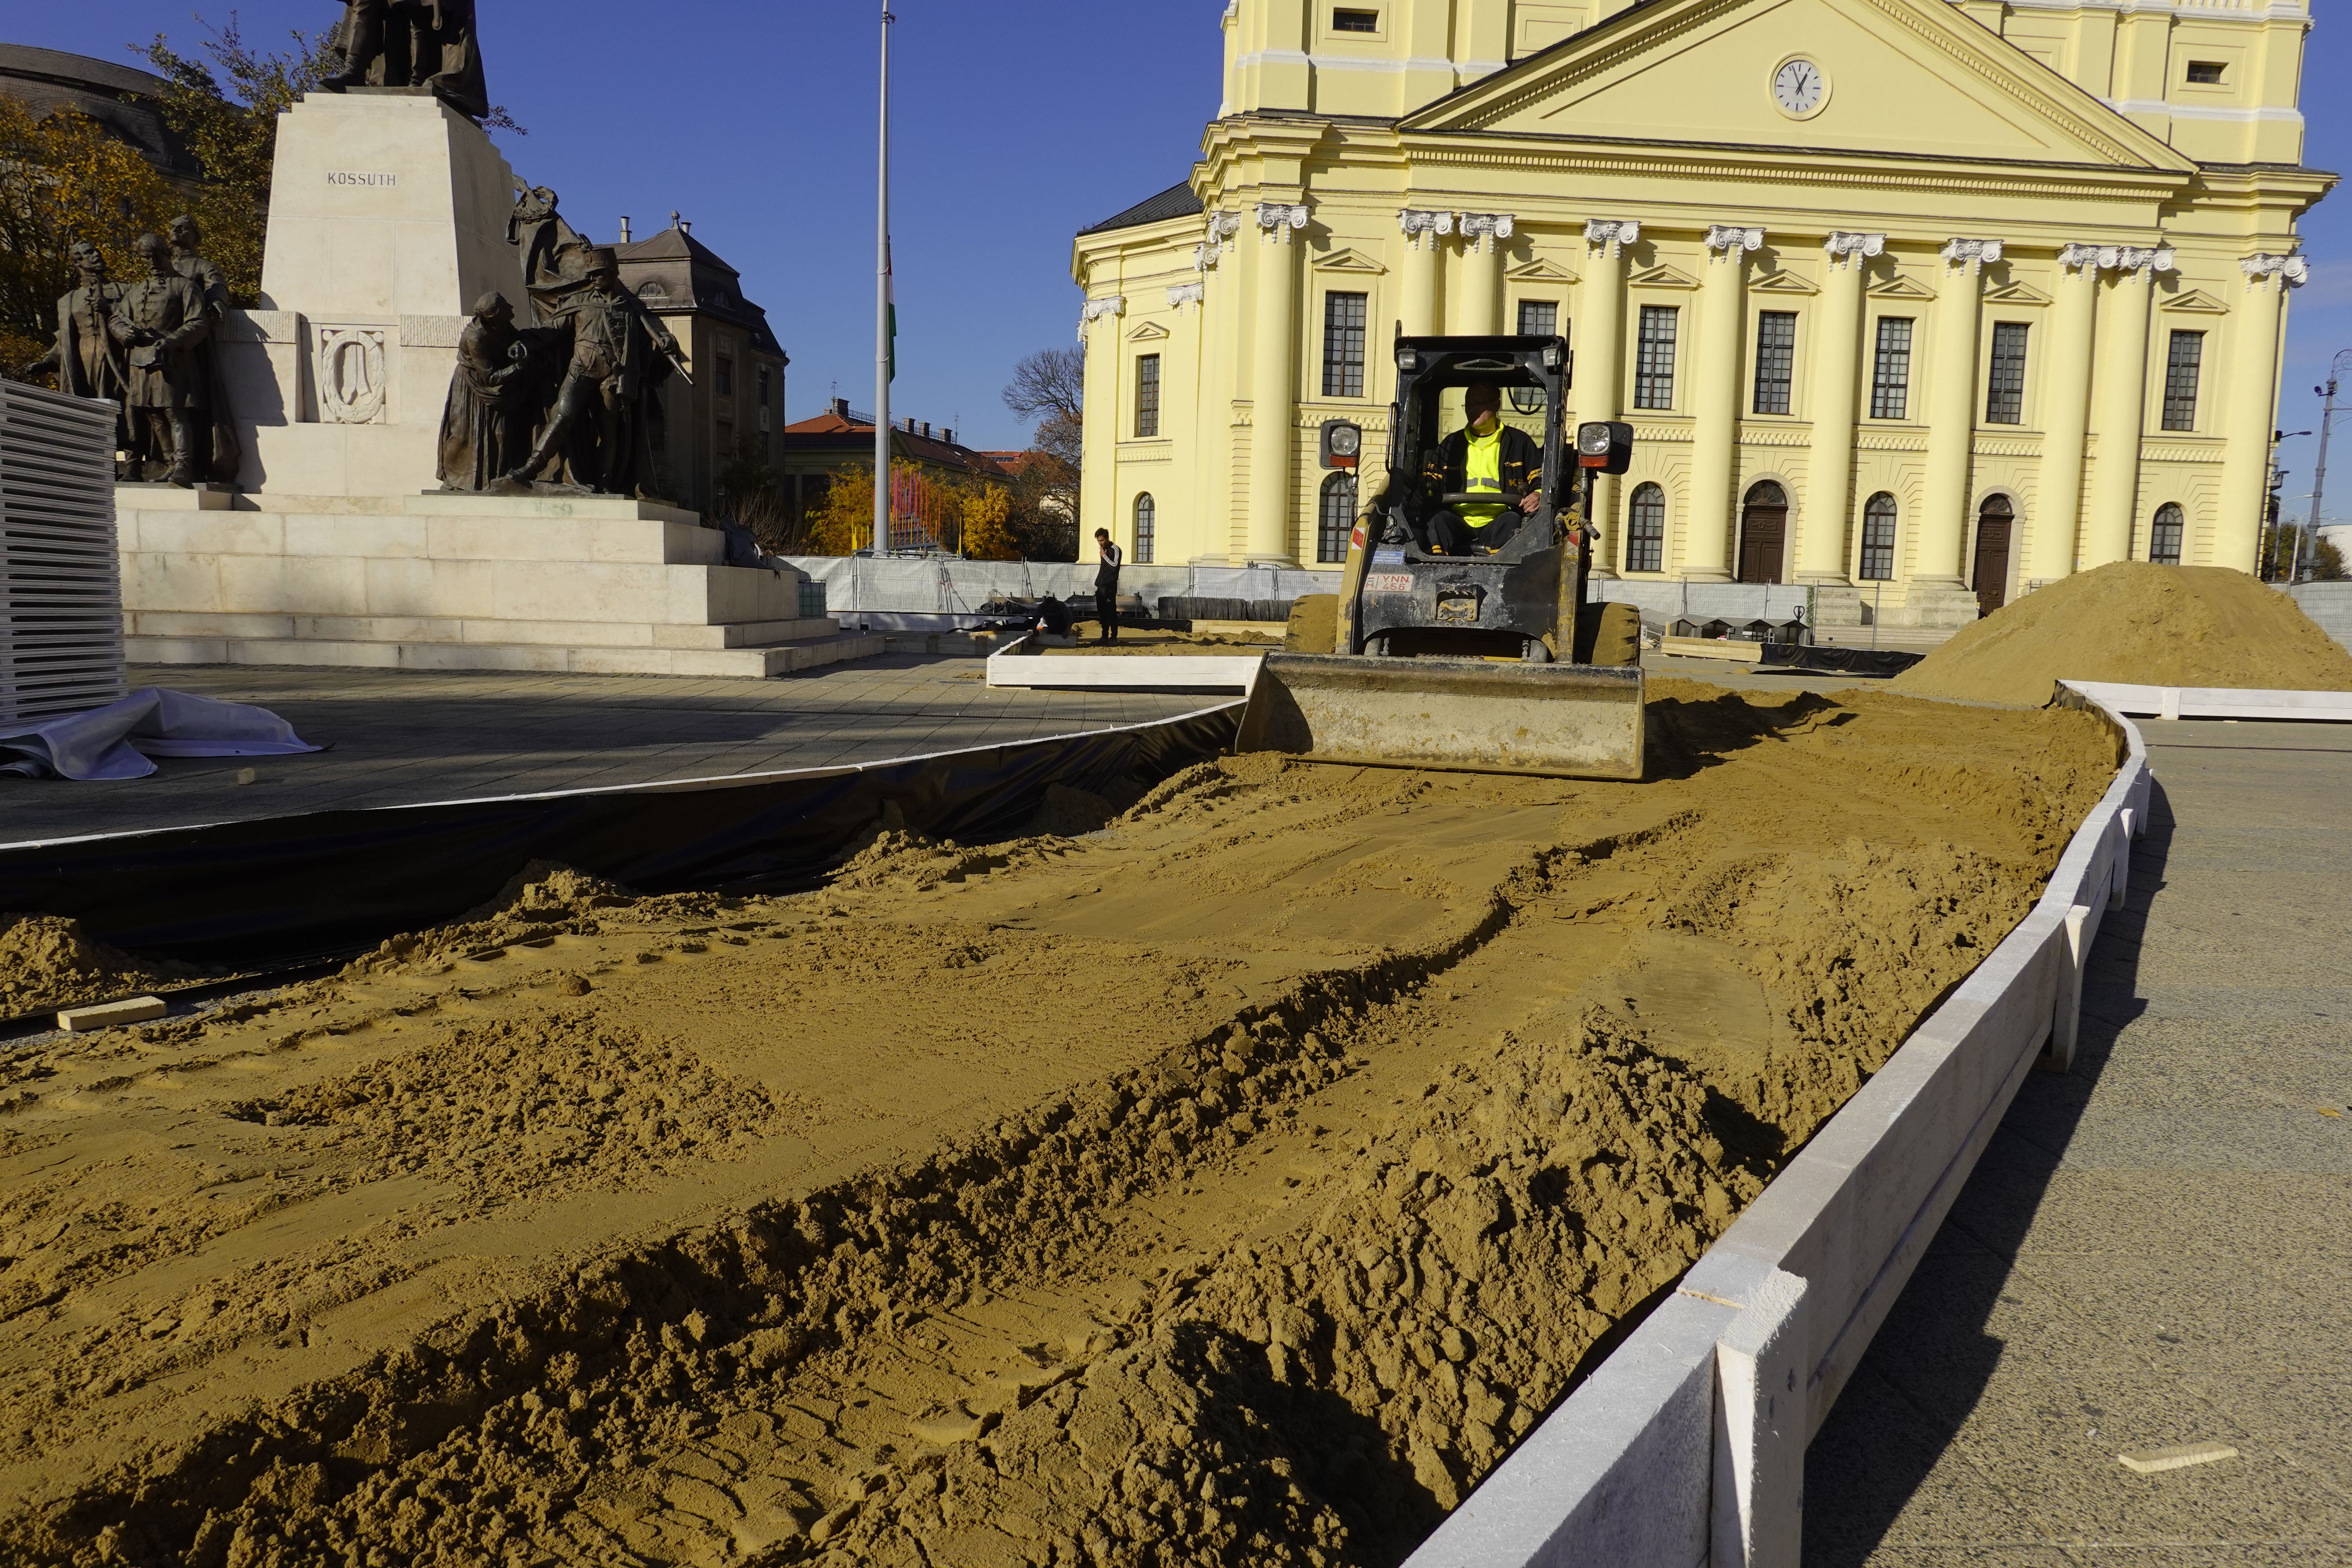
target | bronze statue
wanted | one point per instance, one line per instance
(486, 424)
(428, 45)
(215, 456)
(161, 320)
(620, 356)
(87, 361)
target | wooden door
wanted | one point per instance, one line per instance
(1763, 534)
(1992, 556)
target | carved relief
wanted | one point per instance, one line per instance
(347, 367)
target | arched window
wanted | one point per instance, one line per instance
(1146, 516)
(1878, 539)
(2164, 535)
(1335, 517)
(1645, 530)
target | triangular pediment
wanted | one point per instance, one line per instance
(1542, 270)
(1662, 277)
(1146, 332)
(2014, 293)
(2196, 302)
(1348, 261)
(1901, 76)
(1899, 287)
(1781, 283)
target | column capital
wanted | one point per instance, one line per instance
(1609, 234)
(1182, 294)
(1095, 310)
(2127, 259)
(1481, 230)
(2264, 268)
(1963, 252)
(1853, 249)
(1277, 221)
(1222, 228)
(1419, 223)
(1731, 241)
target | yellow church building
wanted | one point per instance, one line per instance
(1936, 300)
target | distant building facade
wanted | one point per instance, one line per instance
(813, 451)
(1929, 299)
(736, 402)
(126, 100)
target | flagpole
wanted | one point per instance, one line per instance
(882, 309)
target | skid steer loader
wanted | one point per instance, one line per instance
(1490, 660)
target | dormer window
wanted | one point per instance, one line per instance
(1354, 21)
(2205, 73)
(651, 289)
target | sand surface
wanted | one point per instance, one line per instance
(1136, 642)
(48, 963)
(2147, 625)
(1235, 1184)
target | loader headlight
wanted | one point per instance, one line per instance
(1552, 356)
(1408, 361)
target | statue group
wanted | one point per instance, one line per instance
(572, 402)
(149, 346)
(422, 46)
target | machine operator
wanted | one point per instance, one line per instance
(1486, 458)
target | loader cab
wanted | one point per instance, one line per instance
(1432, 377)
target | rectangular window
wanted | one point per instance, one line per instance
(2005, 389)
(1147, 395)
(2180, 372)
(1355, 21)
(1890, 382)
(763, 386)
(1343, 345)
(2207, 73)
(725, 385)
(1654, 364)
(1776, 359)
(1538, 318)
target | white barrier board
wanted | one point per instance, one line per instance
(1016, 665)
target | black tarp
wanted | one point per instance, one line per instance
(281, 888)
(1838, 660)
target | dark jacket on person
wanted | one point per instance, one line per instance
(1445, 469)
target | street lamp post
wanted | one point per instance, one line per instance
(2319, 473)
(2266, 555)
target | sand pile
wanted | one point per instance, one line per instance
(2134, 622)
(1237, 1184)
(48, 963)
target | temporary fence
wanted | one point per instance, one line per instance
(279, 888)
(1686, 1446)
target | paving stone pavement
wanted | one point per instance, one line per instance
(2154, 1248)
(406, 736)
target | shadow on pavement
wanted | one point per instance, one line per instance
(1932, 1359)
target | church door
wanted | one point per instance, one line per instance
(1763, 533)
(1993, 524)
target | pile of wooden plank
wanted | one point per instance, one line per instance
(60, 578)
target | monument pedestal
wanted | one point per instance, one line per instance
(589, 585)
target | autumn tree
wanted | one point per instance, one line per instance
(1049, 388)
(63, 177)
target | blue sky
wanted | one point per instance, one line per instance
(1016, 124)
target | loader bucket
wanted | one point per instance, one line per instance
(1470, 715)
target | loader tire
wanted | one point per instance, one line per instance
(1313, 624)
(1608, 636)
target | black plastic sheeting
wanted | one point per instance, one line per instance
(1838, 660)
(333, 882)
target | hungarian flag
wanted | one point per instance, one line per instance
(890, 305)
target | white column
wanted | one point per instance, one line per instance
(2121, 400)
(2245, 419)
(1423, 230)
(1211, 532)
(2057, 520)
(1714, 402)
(1483, 235)
(1273, 359)
(1952, 415)
(1106, 405)
(1598, 329)
(1827, 517)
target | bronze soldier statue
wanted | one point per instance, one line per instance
(485, 424)
(424, 44)
(161, 320)
(620, 355)
(87, 361)
(216, 445)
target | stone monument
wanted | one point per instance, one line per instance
(375, 518)
(84, 356)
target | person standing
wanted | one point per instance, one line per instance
(1107, 585)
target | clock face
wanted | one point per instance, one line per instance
(1799, 86)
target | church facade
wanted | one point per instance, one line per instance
(1933, 301)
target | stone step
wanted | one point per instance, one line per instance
(479, 630)
(747, 663)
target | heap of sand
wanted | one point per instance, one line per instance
(1235, 1185)
(2141, 624)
